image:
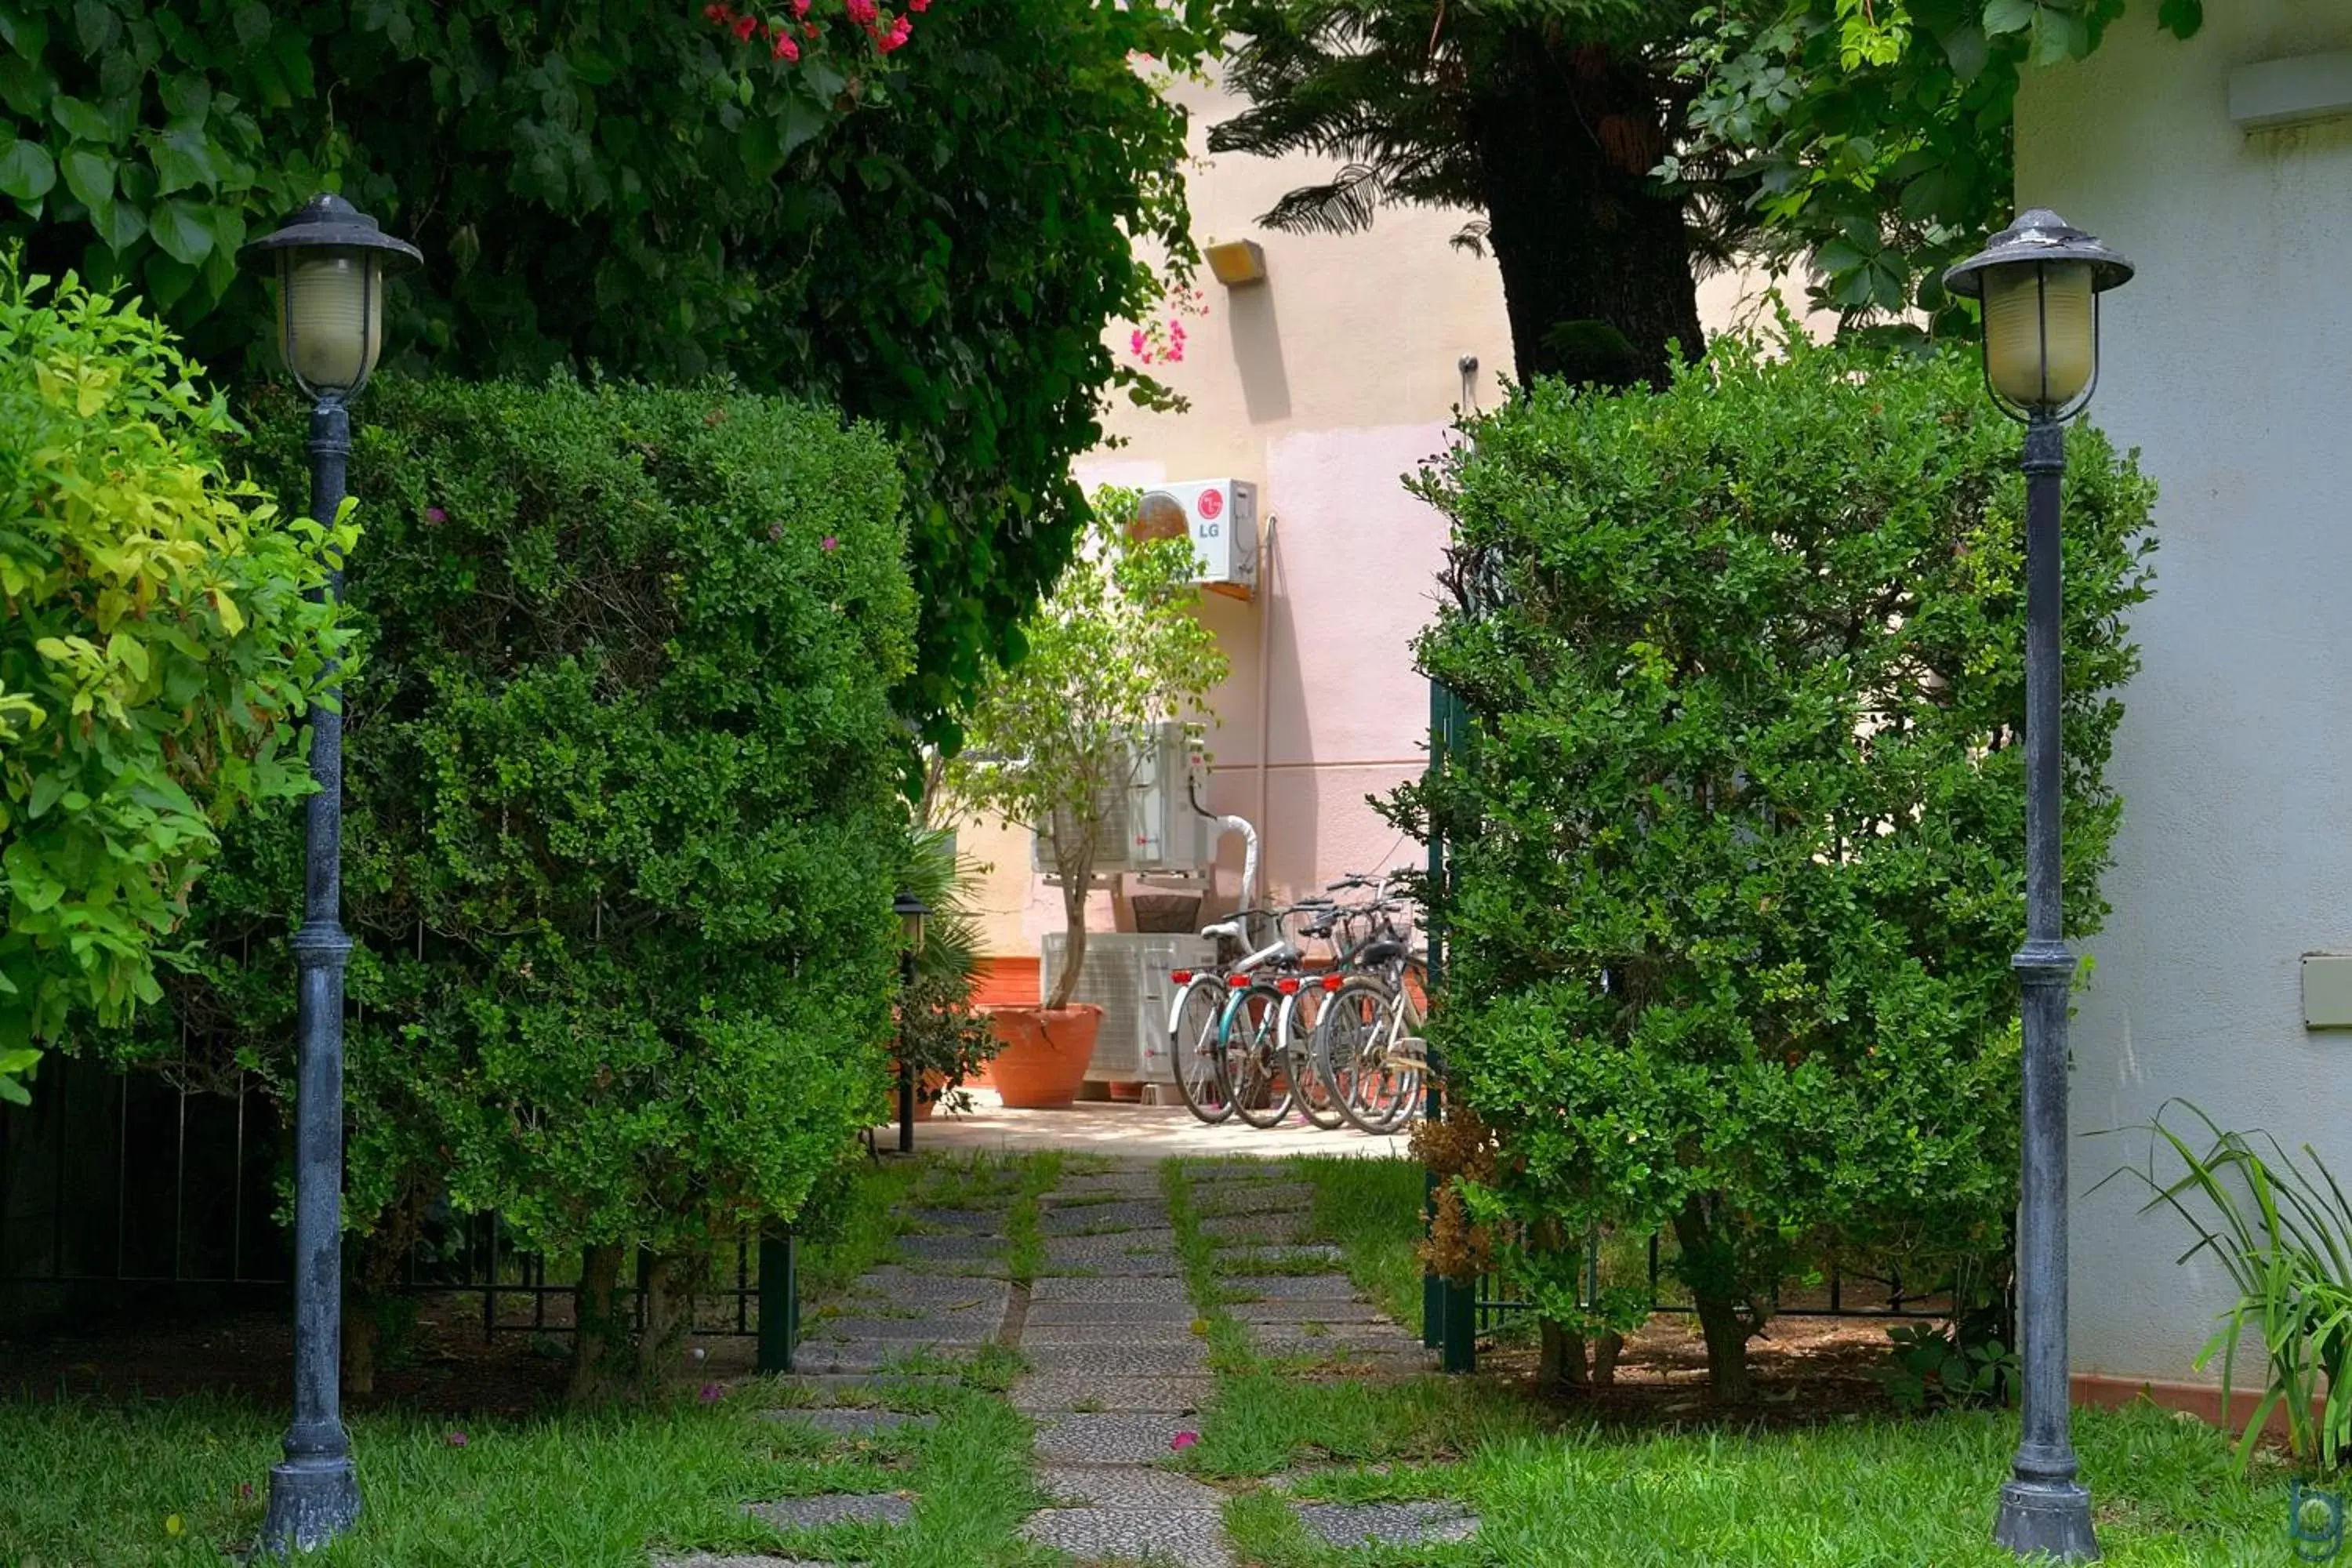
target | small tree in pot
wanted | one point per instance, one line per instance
(1114, 649)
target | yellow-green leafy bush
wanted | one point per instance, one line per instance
(154, 652)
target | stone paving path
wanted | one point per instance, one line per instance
(1118, 1357)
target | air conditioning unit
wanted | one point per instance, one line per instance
(1126, 974)
(1150, 825)
(1222, 517)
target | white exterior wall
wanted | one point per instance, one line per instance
(2227, 362)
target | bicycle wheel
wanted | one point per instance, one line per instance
(1262, 1088)
(1310, 1089)
(1347, 1041)
(1195, 1045)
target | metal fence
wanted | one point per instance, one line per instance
(119, 1189)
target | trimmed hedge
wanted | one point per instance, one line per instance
(623, 824)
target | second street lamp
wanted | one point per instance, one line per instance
(329, 261)
(911, 912)
(2040, 280)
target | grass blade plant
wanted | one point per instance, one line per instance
(2278, 1223)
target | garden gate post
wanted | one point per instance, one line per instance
(780, 1301)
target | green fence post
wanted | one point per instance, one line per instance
(780, 1301)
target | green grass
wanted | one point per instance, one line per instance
(1197, 1253)
(95, 1486)
(1370, 1209)
(1026, 1252)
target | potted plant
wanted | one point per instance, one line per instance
(1114, 649)
(941, 1033)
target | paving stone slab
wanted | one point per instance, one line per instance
(1173, 1310)
(1387, 1523)
(1052, 1291)
(937, 1291)
(1135, 1243)
(1166, 1538)
(1127, 1183)
(1240, 1171)
(966, 1329)
(1119, 1361)
(834, 1508)
(1323, 1311)
(1266, 1229)
(864, 1385)
(842, 1421)
(1173, 1394)
(704, 1559)
(1290, 1287)
(1097, 1220)
(1109, 1438)
(1254, 1197)
(1238, 1258)
(952, 1248)
(869, 1356)
(1158, 1266)
(1293, 1339)
(958, 1222)
(1124, 1487)
(1036, 1335)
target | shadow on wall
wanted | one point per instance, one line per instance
(1257, 353)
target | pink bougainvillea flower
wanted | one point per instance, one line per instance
(799, 9)
(787, 47)
(745, 26)
(1135, 340)
(896, 37)
(715, 13)
(829, 542)
(918, 7)
(435, 514)
(1183, 1441)
(863, 12)
(456, 1439)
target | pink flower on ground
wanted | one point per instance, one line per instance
(1183, 1441)
(828, 542)
(456, 1439)
(711, 1394)
(435, 514)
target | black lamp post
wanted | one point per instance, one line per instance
(910, 911)
(329, 261)
(2040, 281)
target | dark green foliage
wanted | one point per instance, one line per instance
(1738, 838)
(935, 239)
(622, 829)
(1882, 134)
(1541, 120)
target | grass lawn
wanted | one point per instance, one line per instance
(1555, 1484)
(156, 1484)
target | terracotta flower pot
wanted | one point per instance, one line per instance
(1045, 1053)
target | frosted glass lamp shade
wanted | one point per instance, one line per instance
(2041, 331)
(330, 317)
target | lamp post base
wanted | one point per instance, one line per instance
(2046, 1518)
(311, 1501)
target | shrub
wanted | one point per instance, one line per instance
(2278, 1223)
(623, 827)
(1737, 836)
(155, 650)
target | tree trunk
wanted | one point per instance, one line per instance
(1560, 1365)
(1596, 262)
(600, 1346)
(1073, 947)
(1605, 1351)
(673, 1281)
(1710, 1267)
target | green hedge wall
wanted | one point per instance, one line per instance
(622, 821)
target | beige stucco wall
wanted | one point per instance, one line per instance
(2228, 363)
(1324, 386)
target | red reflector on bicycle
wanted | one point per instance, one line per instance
(1238, 981)
(1288, 987)
(1180, 976)
(1331, 983)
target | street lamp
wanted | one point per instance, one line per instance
(910, 911)
(2040, 280)
(329, 261)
